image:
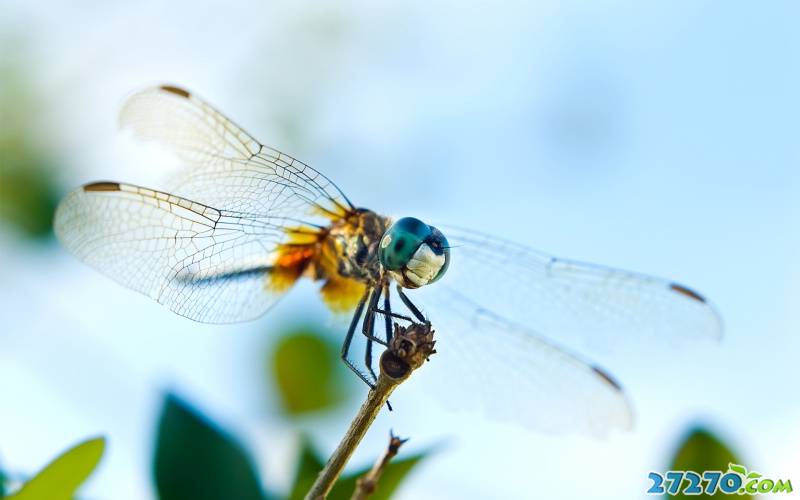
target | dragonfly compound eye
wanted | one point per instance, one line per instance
(415, 253)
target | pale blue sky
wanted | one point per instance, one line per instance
(655, 138)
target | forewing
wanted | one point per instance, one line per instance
(574, 303)
(224, 166)
(207, 264)
(207, 249)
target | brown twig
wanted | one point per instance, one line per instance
(368, 483)
(409, 349)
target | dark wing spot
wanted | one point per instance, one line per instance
(687, 292)
(605, 376)
(102, 186)
(175, 90)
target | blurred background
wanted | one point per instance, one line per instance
(653, 137)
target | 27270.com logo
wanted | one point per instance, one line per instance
(735, 481)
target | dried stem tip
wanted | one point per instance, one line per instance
(367, 484)
(409, 348)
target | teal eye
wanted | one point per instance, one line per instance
(401, 241)
(439, 245)
(415, 253)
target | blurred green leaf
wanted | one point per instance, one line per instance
(310, 464)
(308, 467)
(28, 184)
(305, 367)
(196, 460)
(753, 475)
(700, 451)
(64, 475)
(2, 484)
(393, 475)
(28, 196)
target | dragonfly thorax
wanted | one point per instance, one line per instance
(352, 245)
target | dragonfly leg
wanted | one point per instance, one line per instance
(368, 359)
(410, 305)
(349, 338)
(390, 314)
(368, 328)
(370, 333)
(387, 312)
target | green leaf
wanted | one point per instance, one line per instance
(28, 196)
(64, 475)
(308, 467)
(195, 459)
(310, 464)
(307, 372)
(2, 484)
(29, 188)
(702, 450)
(753, 475)
(393, 475)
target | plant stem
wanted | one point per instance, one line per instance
(358, 427)
(408, 350)
(368, 483)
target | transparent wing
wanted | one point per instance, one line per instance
(572, 302)
(512, 373)
(207, 250)
(503, 314)
(204, 263)
(225, 166)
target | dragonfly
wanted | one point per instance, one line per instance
(242, 222)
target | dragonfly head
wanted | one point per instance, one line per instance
(414, 253)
